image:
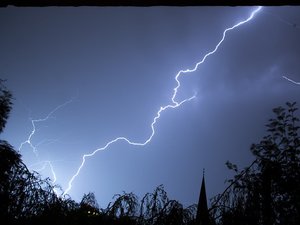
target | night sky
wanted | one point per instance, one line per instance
(104, 72)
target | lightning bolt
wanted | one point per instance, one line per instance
(28, 141)
(174, 104)
(290, 80)
(33, 123)
(48, 163)
(43, 167)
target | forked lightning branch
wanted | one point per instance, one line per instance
(174, 103)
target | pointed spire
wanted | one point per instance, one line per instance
(202, 210)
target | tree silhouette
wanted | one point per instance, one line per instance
(5, 104)
(23, 194)
(157, 208)
(266, 192)
(89, 203)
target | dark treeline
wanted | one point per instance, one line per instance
(267, 192)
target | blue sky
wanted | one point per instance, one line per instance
(117, 66)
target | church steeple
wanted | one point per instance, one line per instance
(202, 210)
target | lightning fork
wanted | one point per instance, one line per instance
(33, 123)
(34, 147)
(173, 105)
